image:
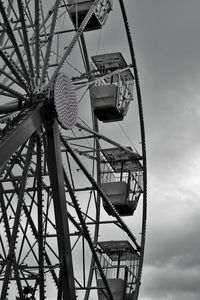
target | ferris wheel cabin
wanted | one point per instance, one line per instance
(78, 9)
(111, 96)
(121, 179)
(119, 261)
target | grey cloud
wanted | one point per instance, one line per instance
(171, 284)
(174, 244)
(168, 36)
(172, 269)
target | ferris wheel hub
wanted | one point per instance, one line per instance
(65, 101)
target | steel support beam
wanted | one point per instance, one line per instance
(55, 167)
(13, 238)
(17, 136)
(40, 219)
(8, 233)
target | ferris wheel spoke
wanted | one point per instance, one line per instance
(37, 40)
(12, 79)
(13, 69)
(13, 40)
(74, 41)
(103, 137)
(28, 12)
(49, 44)
(45, 18)
(25, 39)
(12, 93)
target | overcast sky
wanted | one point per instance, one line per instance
(166, 36)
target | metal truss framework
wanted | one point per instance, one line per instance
(50, 187)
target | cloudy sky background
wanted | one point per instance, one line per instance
(166, 37)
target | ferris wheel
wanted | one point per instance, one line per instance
(72, 195)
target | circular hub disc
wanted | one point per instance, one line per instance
(65, 101)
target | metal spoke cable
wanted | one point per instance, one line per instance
(98, 43)
(68, 63)
(128, 138)
(28, 13)
(74, 40)
(59, 36)
(82, 132)
(82, 96)
(49, 44)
